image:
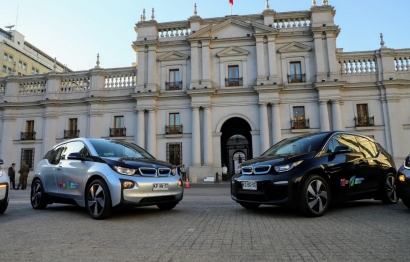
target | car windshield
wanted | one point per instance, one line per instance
(110, 148)
(296, 145)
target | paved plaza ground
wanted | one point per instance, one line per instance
(206, 226)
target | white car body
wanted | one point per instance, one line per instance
(4, 189)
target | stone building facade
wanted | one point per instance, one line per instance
(208, 92)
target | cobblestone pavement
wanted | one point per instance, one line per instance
(206, 226)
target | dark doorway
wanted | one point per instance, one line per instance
(236, 137)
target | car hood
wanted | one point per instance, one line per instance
(136, 162)
(277, 159)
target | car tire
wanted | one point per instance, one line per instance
(249, 205)
(98, 200)
(315, 196)
(406, 202)
(167, 206)
(38, 197)
(388, 192)
(3, 206)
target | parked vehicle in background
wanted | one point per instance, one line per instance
(403, 182)
(311, 171)
(4, 189)
(101, 174)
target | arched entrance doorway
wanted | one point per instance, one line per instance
(236, 143)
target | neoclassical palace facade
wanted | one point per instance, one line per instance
(215, 91)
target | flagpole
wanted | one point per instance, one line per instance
(231, 9)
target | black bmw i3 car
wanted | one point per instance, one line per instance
(403, 182)
(312, 171)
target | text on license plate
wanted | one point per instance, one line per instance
(249, 185)
(162, 186)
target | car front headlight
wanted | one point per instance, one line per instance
(287, 167)
(124, 170)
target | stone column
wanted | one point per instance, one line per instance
(152, 132)
(95, 127)
(196, 136)
(276, 126)
(324, 116)
(141, 67)
(320, 62)
(260, 60)
(140, 129)
(331, 54)
(152, 62)
(206, 78)
(273, 68)
(194, 63)
(50, 128)
(208, 159)
(336, 116)
(8, 134)
(264, 129)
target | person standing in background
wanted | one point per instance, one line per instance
(12, 175)
(23, 176)
(183, 172)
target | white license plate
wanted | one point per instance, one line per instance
(163, 186)
(249, 185)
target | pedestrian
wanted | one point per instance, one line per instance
(12, 175)
(23, 176)
(183, 172)
(224, 173)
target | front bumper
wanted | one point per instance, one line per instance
(4, 192)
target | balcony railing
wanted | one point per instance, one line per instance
(71, 133)
(300, 123)
(28, 135)
(115, 132)
(173, 85)
(296, 78)
(175, 129)
(364, 121)
(233, 81)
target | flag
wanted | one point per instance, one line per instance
(231, 2)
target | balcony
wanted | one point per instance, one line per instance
(71, 133)
(364, 121)
(116, 132)
(175, 129)
(300, 124)
(173, 86)
(296, 78)
(233, 81)
(28, 136)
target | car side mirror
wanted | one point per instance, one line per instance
(75, 156)
(342, 149)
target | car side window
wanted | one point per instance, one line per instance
(55, 159)
(333, 143)
(49, 155)
(76, 147)
(350, 141)
(367, 147)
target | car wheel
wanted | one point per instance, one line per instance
(38, 197)
(389, 193)
(249, 205)
(406, 202)
(98, 200)
(167, 206)
(315, 196)
(3, 206)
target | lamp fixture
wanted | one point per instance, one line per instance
(91, 95)
(323, 80)
(336, 79)
(324, 24)
(262, 83)
(205, 87)
(149, 90)
(248, 34)
(274, 83)
(47, 98)
(138, 91)
(5, 101)
(193, 87)
(145, 38)
(390, 78)
(215, 37)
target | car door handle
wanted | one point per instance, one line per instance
(59, 168)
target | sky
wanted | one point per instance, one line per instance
(74, 31)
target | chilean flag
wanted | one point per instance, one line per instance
(231, 2)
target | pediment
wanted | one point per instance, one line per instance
(294, 47)
(224, 29)
(173, 55)
(232, 51)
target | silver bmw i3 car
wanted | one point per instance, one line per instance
(4, 189)
(101, 174)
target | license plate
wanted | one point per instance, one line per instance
(163, 186)
(249, 185)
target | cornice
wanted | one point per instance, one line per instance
(201, 92)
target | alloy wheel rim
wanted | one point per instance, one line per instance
(317, 196)
(36, 194)
(96, 199)
(391, 188)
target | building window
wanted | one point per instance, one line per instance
(363, 118)
(29, 133)
(34, 71)
(299, 120)
(19, 73)
(175, 126)
(27, 155)
(30, 126)
(5, 56)
(20, 64)
(9, 71)
(296, 75)
(10, 58)
(174, 83)
(24, 66)
(72, 131)
(233, 76)
(4, 69)
(119, 129)
(174, 153)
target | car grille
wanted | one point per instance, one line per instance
(164, 171)
(257, 170)
(152, 172)
(157, 199)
